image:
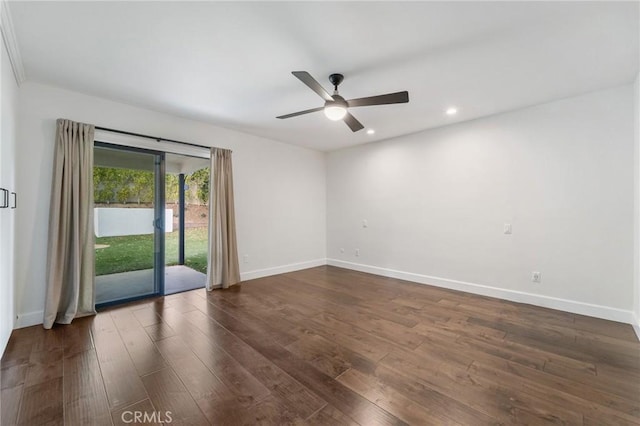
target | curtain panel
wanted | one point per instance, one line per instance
(223, 270)
(70, 254)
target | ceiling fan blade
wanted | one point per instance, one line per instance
(306, 111)
(306, 78)
(352, 122)
(389, 98)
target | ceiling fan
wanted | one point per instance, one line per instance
(336, 107)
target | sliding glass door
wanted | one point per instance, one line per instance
(187, 201)
(129, 217)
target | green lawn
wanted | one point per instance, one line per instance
(135, 252)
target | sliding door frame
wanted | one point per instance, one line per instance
(159, 220)
(159, 228)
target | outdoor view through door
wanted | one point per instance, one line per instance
(186, 247)
(148, 241)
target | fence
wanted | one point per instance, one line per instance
(112, 222)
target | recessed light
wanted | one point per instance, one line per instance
(370, 132)
(452, 111)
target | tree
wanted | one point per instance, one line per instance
(124, 185)
(200, 181)
(171, 188)
(105, 181)
(141, 184)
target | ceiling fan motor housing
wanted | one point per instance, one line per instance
(338, 101)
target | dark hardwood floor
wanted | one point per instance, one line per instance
(324, 346)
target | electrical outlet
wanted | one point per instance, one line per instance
(357, 252)
(507, 228)
(536, 276)
(246, 258)
(365, 224)
(341, 250)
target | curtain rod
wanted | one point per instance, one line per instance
(123, 132)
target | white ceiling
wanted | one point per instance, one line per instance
(230, 63)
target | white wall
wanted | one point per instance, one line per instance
(435, 202)
(8, 109)
(636, 210)
(279, 188)
(561, 173)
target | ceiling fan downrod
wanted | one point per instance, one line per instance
(336, 79)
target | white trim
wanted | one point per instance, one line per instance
(11, 43)
(259, 273)
(29, 319)
(636, 325)
(598, 311)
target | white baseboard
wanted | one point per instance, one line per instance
(636, 325)
(259, 273)
(29, 319)
(598, 311)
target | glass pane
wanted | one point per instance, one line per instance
(190, 272)
(124, 215)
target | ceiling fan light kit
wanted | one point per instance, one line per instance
(336, 107)
(335, 112)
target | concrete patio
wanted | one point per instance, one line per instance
(126, 285)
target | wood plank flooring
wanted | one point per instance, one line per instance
(324, 346)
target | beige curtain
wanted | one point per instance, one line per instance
(70, 256)
(222, 269)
